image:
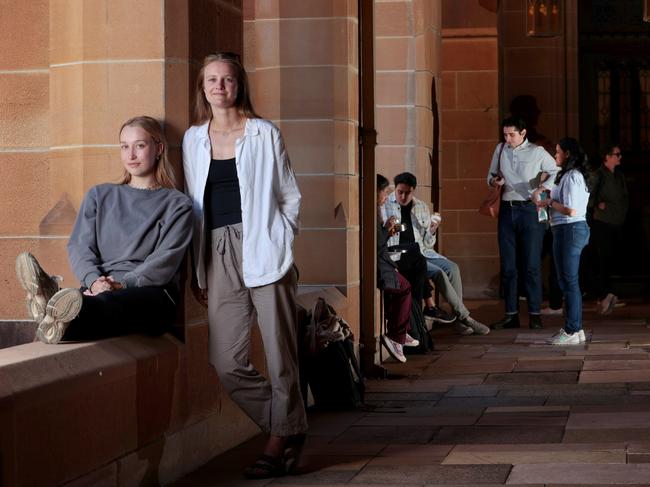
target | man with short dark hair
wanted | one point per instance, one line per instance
(421, 229)
(518, 166)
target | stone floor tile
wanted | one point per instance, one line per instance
(318, 477)
(605, 434)
(401, 396)
(616, 365)
(627, 353)
(548, 365)
(638, 453)
(525, 409)
(604, 376)
(350, 449)
(475, 366)
(430, 420)
(396, 406)
(608, 420)
(387, 434)
(473, 391)
(533, 378)
(538, 418)
(333, 461)
(433, 474)
(592, 399)
(473, 403)
(631, 355)
(580, 474)
(615, 407)
(498, 434)
(537, 453)
(567, 390)
(429, 450)
(608, 345)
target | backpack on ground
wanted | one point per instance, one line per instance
(328, 364)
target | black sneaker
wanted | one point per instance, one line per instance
(508, 321)
(535, 322)
(437, 315)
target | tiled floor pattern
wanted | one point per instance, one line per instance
(494, 410)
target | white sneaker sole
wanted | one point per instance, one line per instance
(384, 342)
(27, 270)
(60, 311)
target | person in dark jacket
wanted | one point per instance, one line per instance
(609, 200)
(396, 288)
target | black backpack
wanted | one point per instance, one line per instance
(328, 364)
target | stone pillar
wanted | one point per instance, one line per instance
(407, 64)
(24, 141)
(470, 122)
(302, 60)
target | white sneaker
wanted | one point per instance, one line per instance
(461, 328)
(477, 327)
(394, 349)
(410, 341)
(564, 338)
(548, 311)
(581, 336)
(61, 309)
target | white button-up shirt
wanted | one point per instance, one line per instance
(270, 200)
(521, 168)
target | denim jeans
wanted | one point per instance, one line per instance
(519, 230)
(568, 241)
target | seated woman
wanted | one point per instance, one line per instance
(126, 248)
(397, 290)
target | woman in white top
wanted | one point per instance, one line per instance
(568, 209)
(245, 204)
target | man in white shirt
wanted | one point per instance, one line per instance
(421, 229)
(517, 165)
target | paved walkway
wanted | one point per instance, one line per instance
(493, 410)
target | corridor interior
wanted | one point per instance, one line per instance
(498, 409)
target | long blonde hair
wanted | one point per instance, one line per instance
(202, 110)
(164, 175)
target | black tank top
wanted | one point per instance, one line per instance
(222, 199)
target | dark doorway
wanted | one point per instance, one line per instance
(614, 53)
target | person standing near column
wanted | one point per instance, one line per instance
(610, 202)
(519, 230)
(568, 207)
(245, 205)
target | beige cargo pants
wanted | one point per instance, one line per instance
(274, 404)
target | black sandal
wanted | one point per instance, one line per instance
(293, 451)
(266, 467)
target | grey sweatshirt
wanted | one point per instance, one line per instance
(137, 236)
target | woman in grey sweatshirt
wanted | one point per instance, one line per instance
(126, 248)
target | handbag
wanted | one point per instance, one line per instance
(490, 205)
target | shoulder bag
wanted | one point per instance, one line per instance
(490, 206)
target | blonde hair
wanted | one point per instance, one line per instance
(202, 110)
(164, 174)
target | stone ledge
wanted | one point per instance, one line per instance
(69, 409)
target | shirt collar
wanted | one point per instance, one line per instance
(522, 146)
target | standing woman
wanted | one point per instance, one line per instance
(610, 203)
(568, 208)
(245, 204)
